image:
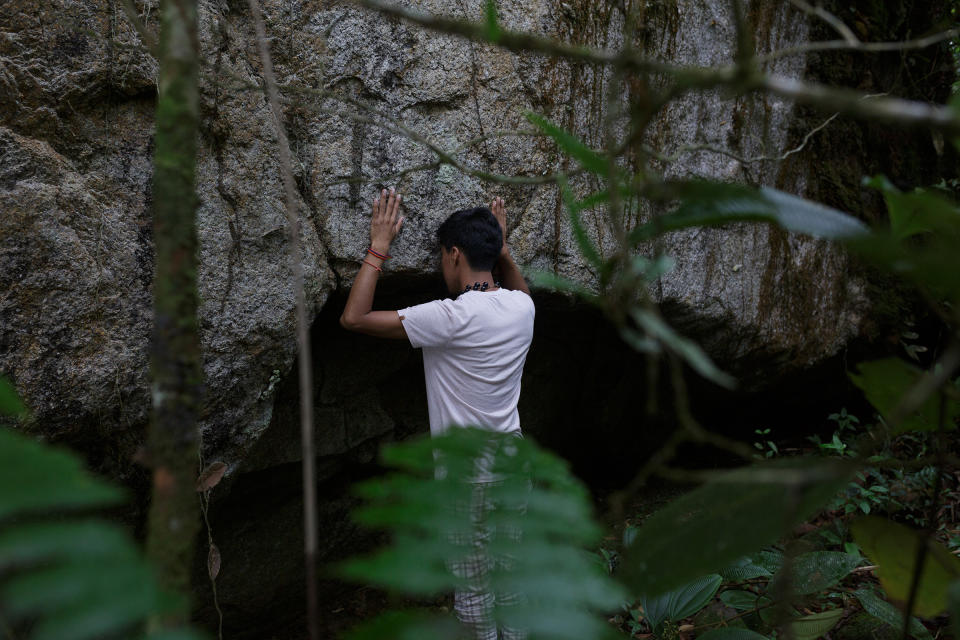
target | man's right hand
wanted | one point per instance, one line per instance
(500, 213)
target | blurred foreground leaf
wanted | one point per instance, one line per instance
(893, 547)
(884, 383)
(733, 515)
(534, 527)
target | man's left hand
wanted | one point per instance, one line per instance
(384, 225)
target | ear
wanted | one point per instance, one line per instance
(455, 252)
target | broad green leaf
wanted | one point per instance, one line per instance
(811, 218)
(744, 569)
(733, 515)
(10, 403)
(678, 604)
(884, 383)
(893, 547)
(815, 571)
(954, 597)
(729, 633)
(492, 22)
(815, 625)
(689, 350)
(743, 600)
(704, 203)
(588, 158)
(34, 478)
(928, 260)
(886, 612)
(769, 559)
(916, 212)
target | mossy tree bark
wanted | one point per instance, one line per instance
(176, 371)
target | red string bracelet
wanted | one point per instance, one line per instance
(373, 265)
(379, 255)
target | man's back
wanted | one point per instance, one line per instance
(474, 349)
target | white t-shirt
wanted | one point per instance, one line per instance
(474, 348)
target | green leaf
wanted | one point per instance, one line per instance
(733, 515)
(587, 248)
(743, 600)
(728, 633)
(954, 597)
(689, 350)
(10, 403)
(570, 144)
(928, 260)
(811, 218)
(549, 280)
(79, 600)
(815, 571)
(32, 542)
(886, 612)
(884, 383)
(680, 603)
(744, 569)
(429, 508)
(34, 477)
(492, 23)
(816, 625)
(704, 203)
(893, 547)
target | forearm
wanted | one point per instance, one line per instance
(510, 276)
(360, 300)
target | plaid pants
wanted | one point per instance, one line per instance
(475, 601)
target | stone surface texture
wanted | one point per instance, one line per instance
(363, 95)
(77, 97)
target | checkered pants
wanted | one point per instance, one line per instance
(475, 601)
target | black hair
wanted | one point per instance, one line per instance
(477, 233)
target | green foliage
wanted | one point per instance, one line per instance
(737, 513)
(704, 203)
(894, 547)
(815, 571)
(886, 612)
(815, 625)
(62, 577)
(884, 382)
(680, 603)
(920, 244)
(429, 506)
(10, 403)
(589, 159)
(492, 22)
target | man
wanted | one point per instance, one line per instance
(474, 348)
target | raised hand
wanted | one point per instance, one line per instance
(384, 224)
(500, 213)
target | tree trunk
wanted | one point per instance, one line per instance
(173, 439)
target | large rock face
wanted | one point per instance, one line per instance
(76, 263)
(365, 96)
